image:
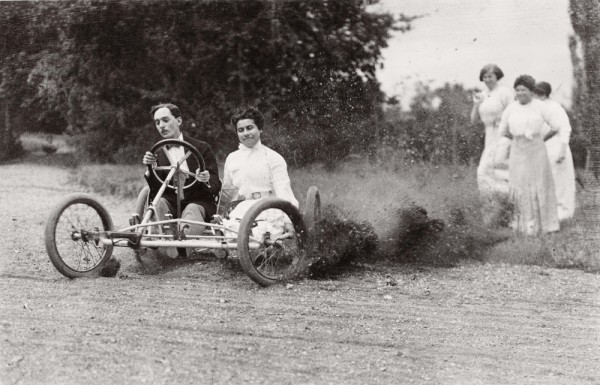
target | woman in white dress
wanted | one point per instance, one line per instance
(492, 173)
(531, 186)
(488, 107)
(255, 172)
(559, 154)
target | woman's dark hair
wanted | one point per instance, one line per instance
(543, 88)
(249, 113)
(526, 81)
(173, 108)
(491, 67)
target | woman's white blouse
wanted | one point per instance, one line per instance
(528, 119)
(257, 169)
(564, 131)
(494, 102)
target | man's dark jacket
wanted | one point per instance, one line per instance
(199, 193)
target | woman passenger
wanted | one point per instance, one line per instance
(255, 171)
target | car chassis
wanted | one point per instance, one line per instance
(79, 235)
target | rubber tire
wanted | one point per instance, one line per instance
(50, 234)
(142, 202)
(246, 228)
(312, 212)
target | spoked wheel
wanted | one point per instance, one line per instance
(72, 236)
(312, 213)
(268, 249)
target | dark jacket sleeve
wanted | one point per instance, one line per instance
(153, 183)
(210, 164)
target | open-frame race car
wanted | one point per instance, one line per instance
(79, 234)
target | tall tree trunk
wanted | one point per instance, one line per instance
(240, 61)
(585, 18)
(6, 138)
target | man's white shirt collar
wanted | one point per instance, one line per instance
(178, 152)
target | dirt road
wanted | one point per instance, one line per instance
(207, 323)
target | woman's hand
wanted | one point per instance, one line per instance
(562, 153)
(550, 135)
(477, 97)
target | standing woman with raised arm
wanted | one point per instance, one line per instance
(492, 173)
(559, 153)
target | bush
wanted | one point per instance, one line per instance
(11, 149)
(418, 239)
(340, 241)
(437, 129)
(15, 150)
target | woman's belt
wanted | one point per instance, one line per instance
(256, 195)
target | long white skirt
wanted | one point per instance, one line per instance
(271, 221)
(564, 178)
(492, 172)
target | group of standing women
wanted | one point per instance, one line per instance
(526, 160)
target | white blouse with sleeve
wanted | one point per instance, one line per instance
(258, 170)
(528, 120)
(564, 130)
(493, 104)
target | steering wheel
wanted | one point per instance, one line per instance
(189, 151)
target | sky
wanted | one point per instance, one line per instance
(455, 38)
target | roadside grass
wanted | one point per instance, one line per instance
(422, 214)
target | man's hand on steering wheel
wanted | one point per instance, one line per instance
(203, 176)
(149, 158)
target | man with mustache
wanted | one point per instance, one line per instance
(198, 202)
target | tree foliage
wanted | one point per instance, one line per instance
(96, 67)
(437, 129)
(585, 19)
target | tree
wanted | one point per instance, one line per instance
(437, 128)
(585, 18)
(309, 65)
(17, 47)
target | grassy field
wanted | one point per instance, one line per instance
(387, 196)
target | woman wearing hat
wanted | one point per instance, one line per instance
(531, 186)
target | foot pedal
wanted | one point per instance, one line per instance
(135, 220)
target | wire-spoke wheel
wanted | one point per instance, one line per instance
(272, 242)
(72, 236)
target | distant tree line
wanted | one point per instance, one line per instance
(435, 129)
(96, 67)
